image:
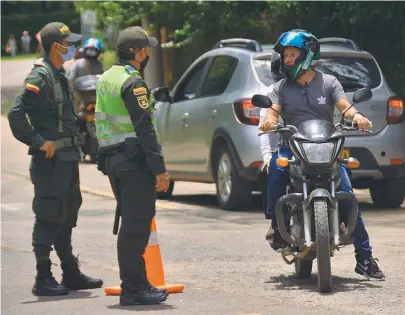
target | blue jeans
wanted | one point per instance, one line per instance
(276, 188)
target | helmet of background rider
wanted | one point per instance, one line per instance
(309, 47)
(92, 48)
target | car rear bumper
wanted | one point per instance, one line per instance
(380, 155)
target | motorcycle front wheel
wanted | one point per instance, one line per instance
(323, 246)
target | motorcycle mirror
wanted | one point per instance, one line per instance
(161, 94)
(261, 101)
(362, 95)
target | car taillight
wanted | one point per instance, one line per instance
(395, 111)
(245, 112)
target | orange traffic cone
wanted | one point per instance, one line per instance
(154, 267)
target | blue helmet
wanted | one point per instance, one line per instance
(92, 48)
(310, 51)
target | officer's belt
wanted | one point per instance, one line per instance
(66, 142)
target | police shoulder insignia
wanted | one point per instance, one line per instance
(32, 88)
(143, 101)
(131, 70)
(140, 91)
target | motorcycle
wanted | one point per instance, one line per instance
(308, 215)
(86, 90)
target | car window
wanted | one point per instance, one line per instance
(352, 73)
(219, 75)
(263, 71)
(188, 87)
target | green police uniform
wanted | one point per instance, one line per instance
(126, 134)
(127, 137)
(42, 111)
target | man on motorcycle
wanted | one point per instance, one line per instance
(303, 95)
(88, 65)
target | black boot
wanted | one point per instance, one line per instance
(145, 295)
(45, 284)
(74, 279)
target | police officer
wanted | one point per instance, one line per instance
(51, 134)
(133, 159)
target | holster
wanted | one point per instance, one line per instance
(100, 161)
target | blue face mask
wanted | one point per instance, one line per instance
(70, 54)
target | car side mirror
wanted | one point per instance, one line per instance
(161, 94)
(362, 95)
(261, 101)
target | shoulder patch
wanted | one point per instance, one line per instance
(140, 91)
(131, 70)
(32, 88)
(143, 101)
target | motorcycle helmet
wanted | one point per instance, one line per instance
(92, 48)
(310, 52)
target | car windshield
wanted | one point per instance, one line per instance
(352, 73)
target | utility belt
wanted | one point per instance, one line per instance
(130, 147)
(66, 142)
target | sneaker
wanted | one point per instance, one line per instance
(369, 269)
(278, 243)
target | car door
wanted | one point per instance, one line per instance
(202, 111)
(174, 141)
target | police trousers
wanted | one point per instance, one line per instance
(133, 185)
(57, 199)
(276, 188)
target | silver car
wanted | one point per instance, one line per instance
(208, 129)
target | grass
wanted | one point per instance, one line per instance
(108, 58)
(6, 108)
(20, 57)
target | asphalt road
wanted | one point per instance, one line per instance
(220, 256)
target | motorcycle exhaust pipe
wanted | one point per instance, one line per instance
(295, 197)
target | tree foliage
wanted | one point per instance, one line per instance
(378, 27)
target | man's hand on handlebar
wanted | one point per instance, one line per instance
(361, 122)
(268, 125)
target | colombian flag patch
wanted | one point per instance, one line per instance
(140, 91)
(32, 88)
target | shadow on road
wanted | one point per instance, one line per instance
(158, 307)
(339, 284)
(73, 295)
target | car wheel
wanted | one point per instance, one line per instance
(166, 194)
(388, 193)
(233, 191)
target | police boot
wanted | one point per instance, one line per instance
(45, 284)
(74, 279)
(144, 295)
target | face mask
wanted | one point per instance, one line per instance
(144, 62)
(91, 53)
(70, 54)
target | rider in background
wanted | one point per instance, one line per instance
(307, 94)
(88, 65)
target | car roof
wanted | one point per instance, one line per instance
(330, 46)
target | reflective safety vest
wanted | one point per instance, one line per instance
(113, 122)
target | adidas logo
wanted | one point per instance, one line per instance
(321, 100)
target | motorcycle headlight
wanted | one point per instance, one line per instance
(319, 153)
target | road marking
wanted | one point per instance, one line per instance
(11, 206)
(167, 205)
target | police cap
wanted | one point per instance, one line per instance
(131, 39)
(57, 31)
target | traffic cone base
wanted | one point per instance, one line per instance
(154, 267)
(171, 288)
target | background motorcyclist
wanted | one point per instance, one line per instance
(87, 65)
(303, 95)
